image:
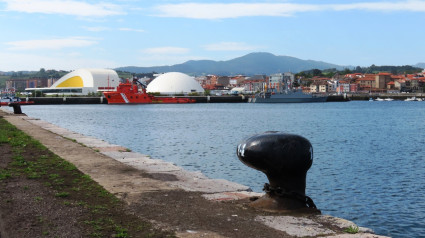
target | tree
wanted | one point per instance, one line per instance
(346, 71)
(358, 69)
(301, 75)
(317, 72)
(329, 74)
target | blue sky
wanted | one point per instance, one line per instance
(72, 34)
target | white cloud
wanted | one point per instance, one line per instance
(230, 10)
(16, 62)
(166, 50)
(66, 7)
(411, 5)
(235, 10)
(101, 28)
(51, 44)
(163, 59)
(167, 55)
(95, 28)
(230, 46)
(131, 29)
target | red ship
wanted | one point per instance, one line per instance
(129, 93)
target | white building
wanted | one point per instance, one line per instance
(83, 82)
(174, 83)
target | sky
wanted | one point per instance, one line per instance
(73, 34)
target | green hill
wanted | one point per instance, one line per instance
(250, 64)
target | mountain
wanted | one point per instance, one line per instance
(250, 64)
(420, 65)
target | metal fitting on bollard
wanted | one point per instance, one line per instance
(285, 159)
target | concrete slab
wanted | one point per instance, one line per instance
(358, 235)
(209, 185)
(295, 226)
(341, 223)
(186, 180)
(229, 196)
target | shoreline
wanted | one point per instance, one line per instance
(165, 177)
(223, 99)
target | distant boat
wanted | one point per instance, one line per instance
(296, 96)
(389, 99)
(10, 98)
(286, 94)
(379, 99)
(413, 99)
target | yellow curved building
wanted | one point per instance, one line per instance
(83, 82)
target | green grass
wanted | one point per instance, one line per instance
(121, 232)
(352, 230)
(38, 199)
(62, 194)
(104, 214)
(4, 174)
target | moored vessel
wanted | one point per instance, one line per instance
(284, 91)
(296, 96)
(8, 98)
(129, 93)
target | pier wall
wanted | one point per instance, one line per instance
(224, 99)
(198, 99)
(66, 100)
(395, 96)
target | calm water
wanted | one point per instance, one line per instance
(369, 157)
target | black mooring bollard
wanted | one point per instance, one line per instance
(285, 159)
(16, 108)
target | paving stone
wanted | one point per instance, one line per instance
(295, 226)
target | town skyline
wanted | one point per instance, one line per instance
(76, 34)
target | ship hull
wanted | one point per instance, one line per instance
(289, 100)
(20, 103)
(142, 98)
(7, 101)
(129, 93)
(126, 98)
(288, 97)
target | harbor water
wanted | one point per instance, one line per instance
(369, 157)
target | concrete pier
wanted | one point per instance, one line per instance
(116, 169)
(198, 99)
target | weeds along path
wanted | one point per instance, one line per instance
(43, 195)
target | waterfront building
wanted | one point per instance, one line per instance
(223, 80)
(236, 81)
(314, 87)
(202, 80)
(288, 77)
(391, 85)
(21, 84)
(174, 83)
(82, 82)
(276, 81)
(382, 79)
(367, 82)
(354, 87)
(254, 85)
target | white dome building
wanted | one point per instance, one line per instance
(174, 83)
(83, 82)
